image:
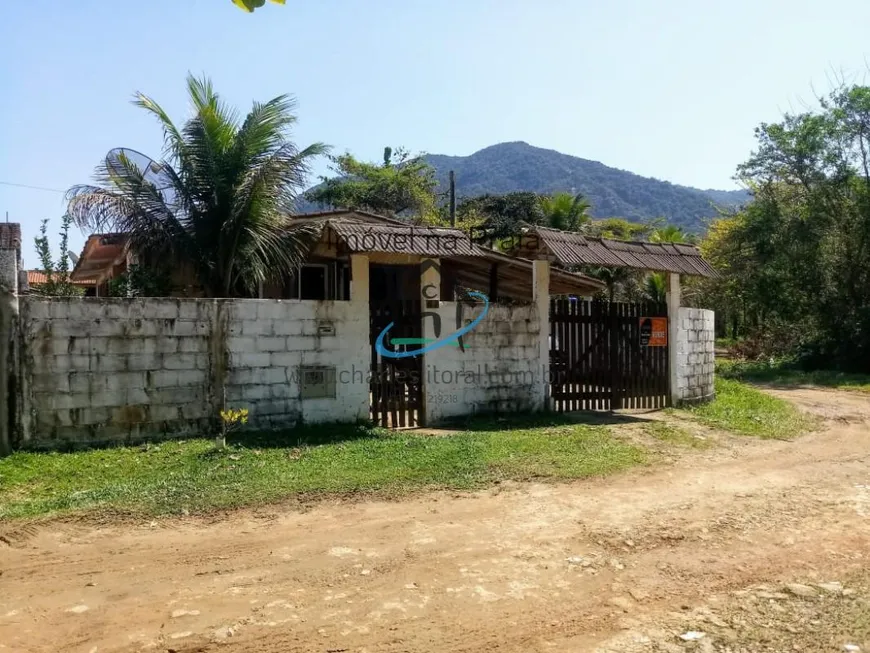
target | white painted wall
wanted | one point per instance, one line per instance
(500, 371)
(695, 356)
(269, 340)
(120, 370)
(104, 370)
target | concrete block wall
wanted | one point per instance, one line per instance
(270, 340)
(99, 370)
(120, 370)
(695, 355)
(500, 370)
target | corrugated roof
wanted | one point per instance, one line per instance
(407, 239)
(572, 249)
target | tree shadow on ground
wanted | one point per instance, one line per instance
(524, 421)
(304, 435)
(319, 434)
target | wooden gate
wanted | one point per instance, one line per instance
(397, 383)
(607, 356)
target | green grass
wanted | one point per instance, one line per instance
(782, 373)
(745, 410)
(725, 343)
(674, 435)
(192, 477)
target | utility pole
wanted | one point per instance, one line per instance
(452, 199)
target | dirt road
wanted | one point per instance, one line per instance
(705, 544)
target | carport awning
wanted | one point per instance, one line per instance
(576, 250)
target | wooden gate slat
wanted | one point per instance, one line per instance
(572, 345)
(649, 364)
(630, 363)
(634, 377)
(639, 369)
(597, 361)
(584, 345)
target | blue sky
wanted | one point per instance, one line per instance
(669, 89)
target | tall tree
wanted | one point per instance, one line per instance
(801, 249)
(668, 233)
(655, 288)
(500, 217)
(619, 229)
(220, 200)
(566, 211)
(401, 185)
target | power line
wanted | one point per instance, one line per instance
(51, 190)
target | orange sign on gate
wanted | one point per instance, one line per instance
(654, 332)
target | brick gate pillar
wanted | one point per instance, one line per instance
(674, 297)
(10, 264)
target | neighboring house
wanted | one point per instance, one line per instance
(35, 278)
(395, 251)
(104, 257)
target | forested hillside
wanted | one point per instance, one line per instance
(518, 166)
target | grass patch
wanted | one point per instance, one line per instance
(784, 373)
(743, 409)
(725, 343)
(674, 435)
(192, 477)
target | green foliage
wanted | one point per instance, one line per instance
(510, 167)
(744, 410)
(500, 216)
(250, 5)
(57, 273)
(565, 211)
(672, 434)
(668, 233)
(619, 229)
(787, 372)
(656, 287)
(141, 281)
(220, 200)
(795, 262)
(192, 476)
(401, 185)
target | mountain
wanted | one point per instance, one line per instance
(517, 166)
(614, 193)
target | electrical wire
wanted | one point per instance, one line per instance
(50, 190)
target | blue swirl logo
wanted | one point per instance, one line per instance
(430, 345)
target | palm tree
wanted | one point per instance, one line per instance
(566, 211)
(668, 234)
(615, 278)
(218, 203)
(656, 283)
(656, 287)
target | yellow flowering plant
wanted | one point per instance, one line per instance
(231, 419)
(234, 418)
